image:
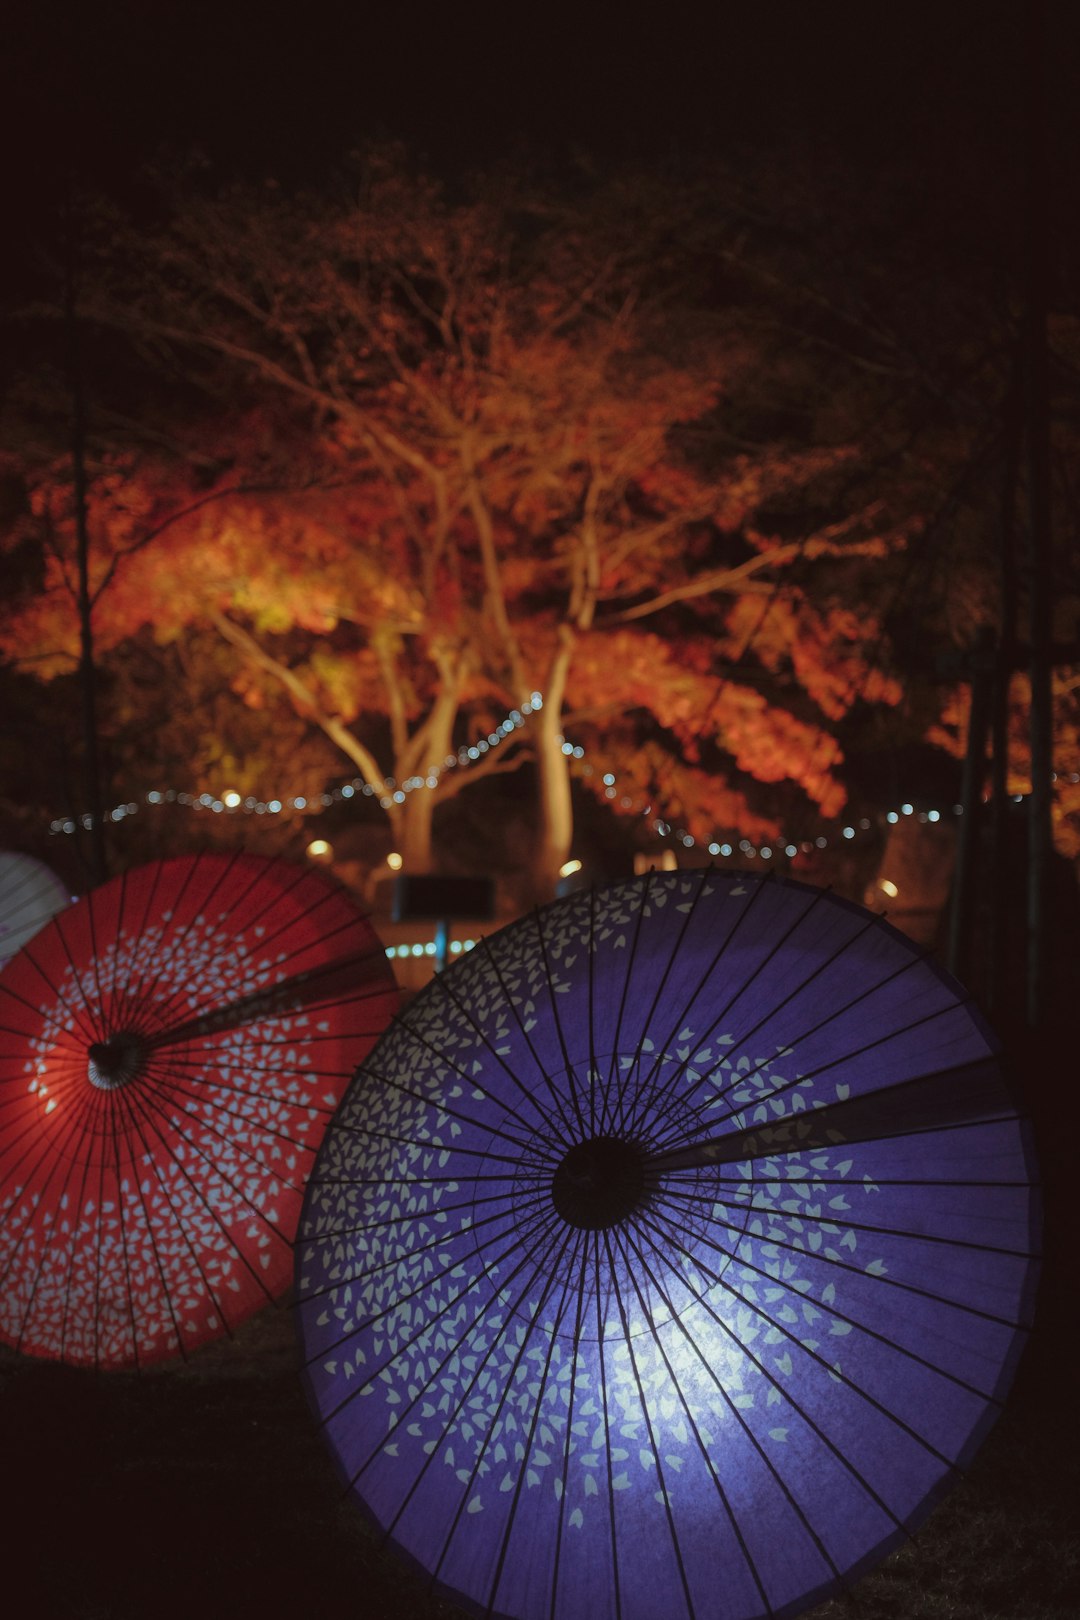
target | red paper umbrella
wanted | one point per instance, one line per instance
(172, 1049)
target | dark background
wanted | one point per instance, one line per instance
(204, 1490)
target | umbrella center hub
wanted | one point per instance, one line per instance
(112, 1063)
(598, 1183)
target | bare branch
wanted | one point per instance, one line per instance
(724, 579)
(493, 764)
(305, 699)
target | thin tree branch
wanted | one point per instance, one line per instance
(305, 699)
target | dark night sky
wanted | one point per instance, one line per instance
(101, 88)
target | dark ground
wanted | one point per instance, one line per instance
(204, 1490)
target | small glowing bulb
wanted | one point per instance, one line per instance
(230, 799)
(319, 849)
(889, 888)
(568, 868)
(393, 861)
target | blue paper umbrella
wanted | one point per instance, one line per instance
(669, 1256)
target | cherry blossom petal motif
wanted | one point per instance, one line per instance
(668, 1256)
(173, 1046)
(30, 895)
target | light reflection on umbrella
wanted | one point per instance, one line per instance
(669, 1255)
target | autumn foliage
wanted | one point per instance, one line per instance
(473, 448)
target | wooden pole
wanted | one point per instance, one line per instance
(1037, 434)
(996, 978)
(97, 863)
(982, 669)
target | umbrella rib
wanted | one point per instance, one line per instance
(912, 1355)
(98, 1239)
(176, 927)
(724, 1092)
(744, 911)
(452, 1417)
(558, 1132)
(322, 895)
(102, 1009)
(70, 1135)
(835, 1450)
(71, 1164)
(166, 1006)
(601, 1359)
(857, 1389)
(144, 958)
(201, 1152)
(176, 1094)
(594, 1067)
(807, 1075)
(230, 1060)
(74, 1117)
(87, 1027)
(66, 1290)
(263, 1005)
(628, 1339)
(149, 1115)
(182, 1067)
(397, 1181)
(440, 1104)
(177, 1089)
(653, 1094)
(373, 1269)
(113, 1136)
(402, 1299)
(230, 1142)
(890, 1231)
(124, 1104)
(486, 1275)
(571, 1396)
(607, 1122)
(669, 1085)
(368, 1132)
(549, 982)
(626, 1124)
(548, 1290)
(725, 1501)
(333, 1233)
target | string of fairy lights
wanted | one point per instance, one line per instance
(229, 802)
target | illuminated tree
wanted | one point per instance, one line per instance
(512, 463)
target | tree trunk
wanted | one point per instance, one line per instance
(413, 829)
(414, 818)
(554, 804)
(556, 816)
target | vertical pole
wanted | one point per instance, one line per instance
(1000, 870)
(87, 674)
(1037, 427)
(971, 802)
